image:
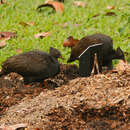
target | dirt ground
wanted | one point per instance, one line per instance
(67, 101)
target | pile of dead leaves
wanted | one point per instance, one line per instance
(13, 90)
(98, 102)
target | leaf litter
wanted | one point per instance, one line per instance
(68, 101)
(3, 2)
(110, 7)
(42, 35)
(4, 36)
(2, 44)
(26, 23)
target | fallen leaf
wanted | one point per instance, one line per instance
(43, 34)
(31, 23)
(110, 14)
(58, 6)
(2, 2)
(7, 35)
(26, 24)
(19, 50)
(95, 15)
(80, 4)
(110, 7)
(70, 42)
(23, 24)
(2, 44)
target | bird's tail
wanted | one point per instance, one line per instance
(118, 54)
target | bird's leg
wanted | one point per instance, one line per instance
(95, 65)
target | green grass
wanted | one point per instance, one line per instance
(16, 11)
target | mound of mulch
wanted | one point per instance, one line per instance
(13, 90)
(98, 102)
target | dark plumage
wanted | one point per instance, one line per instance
(33, 65)
(107, 51)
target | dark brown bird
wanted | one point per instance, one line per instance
(34, 65)
(107, 50)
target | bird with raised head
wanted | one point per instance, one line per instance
(33, 65)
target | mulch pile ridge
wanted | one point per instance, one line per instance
(98, 102)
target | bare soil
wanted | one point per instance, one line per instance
(67, 101)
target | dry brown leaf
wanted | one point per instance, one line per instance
(23, 24)
(4, 36)
(58, 6)
(19, 50)
(43, 34)
(26, 24)
(95, 15)
(80, 4)
(70, 42)
(2, 2)
(110, 7)
(2, 44)
(7, 35)
(31, 23)
(110, 14)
